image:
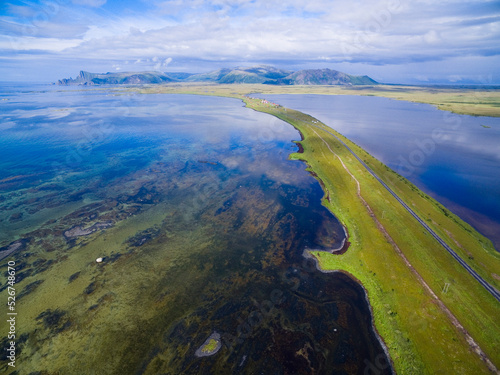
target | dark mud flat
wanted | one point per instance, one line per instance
(189, 249)
(275, 312)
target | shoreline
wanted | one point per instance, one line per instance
(484, 221)
(417, 334)
(374, 261)
(213, 340)
(345, 242)
(307, 255)
(462, 101)
(379, 255)
(339, 251)
(342, 249)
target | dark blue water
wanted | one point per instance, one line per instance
(454, 158)
(200, 223)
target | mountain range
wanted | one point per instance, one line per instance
(257, 74)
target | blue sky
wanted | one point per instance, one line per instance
(393, 41)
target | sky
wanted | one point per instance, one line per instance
(392, 41)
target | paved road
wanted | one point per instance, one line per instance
(464, 264)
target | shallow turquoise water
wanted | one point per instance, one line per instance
(201, 221)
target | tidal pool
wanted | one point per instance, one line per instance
(201, 222)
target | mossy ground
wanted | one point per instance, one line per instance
(210, 346)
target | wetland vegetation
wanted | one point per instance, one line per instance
(209, 240)
(403, 269)
(199, 220)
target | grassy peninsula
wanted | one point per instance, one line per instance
(393, 257)
(433, 316)
(478, 101)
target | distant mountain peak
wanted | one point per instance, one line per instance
(265, 74)
(328, 77)
(130, 78)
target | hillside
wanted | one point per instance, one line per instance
(325, 77)
(257, 74)
(128, 78)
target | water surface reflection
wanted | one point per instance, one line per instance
(200, 220)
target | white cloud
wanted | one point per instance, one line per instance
(371, 32)
(161, 65)
(33, 44)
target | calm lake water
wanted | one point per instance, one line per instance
(200, 220)
(454, 158)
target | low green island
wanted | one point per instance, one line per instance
(211, 346)
(432, 315)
